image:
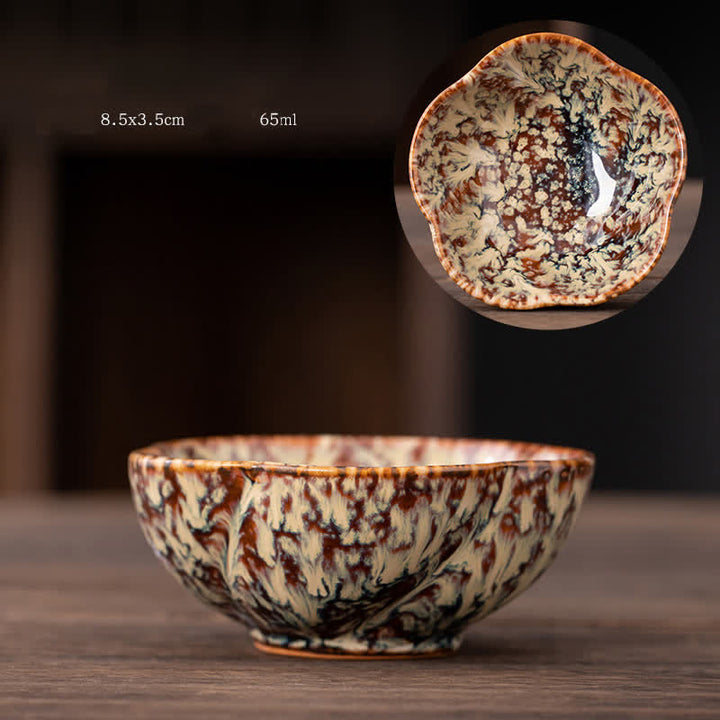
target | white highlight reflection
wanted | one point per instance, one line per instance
(606, 185)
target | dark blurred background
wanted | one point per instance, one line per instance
(221, 276)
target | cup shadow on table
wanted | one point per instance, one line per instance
(501, 647)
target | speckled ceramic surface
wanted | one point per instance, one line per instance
(357, 546)
(548, 174)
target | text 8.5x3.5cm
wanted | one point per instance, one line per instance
(141, 119)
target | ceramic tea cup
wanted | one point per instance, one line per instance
(357, 546)
(548, 175)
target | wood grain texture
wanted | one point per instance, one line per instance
(625, 624)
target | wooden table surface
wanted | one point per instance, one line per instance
(625, 624)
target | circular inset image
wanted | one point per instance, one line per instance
(548, 185)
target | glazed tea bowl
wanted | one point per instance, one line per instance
(548, 175)
(355, 546)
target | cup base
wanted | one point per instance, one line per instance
(339, 655)
(329, 650)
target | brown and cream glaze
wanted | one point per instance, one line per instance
(358, 546)
(548, 174)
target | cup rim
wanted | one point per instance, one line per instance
(155, 455)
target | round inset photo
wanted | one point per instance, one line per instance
(544, 178)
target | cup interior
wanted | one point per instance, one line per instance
(358, 451)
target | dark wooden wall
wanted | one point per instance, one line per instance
(228, 277)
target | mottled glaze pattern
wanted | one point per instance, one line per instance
(548, 174)
(339, 544)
